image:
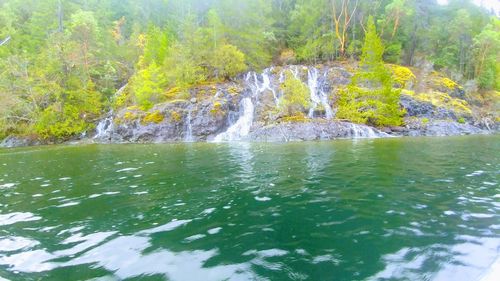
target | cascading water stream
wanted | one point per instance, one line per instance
(189, 128)
(104, 128)
(318, 96)
(257, 84)
(362, 131)
(266, 85)
(106, 125)
(242, 127)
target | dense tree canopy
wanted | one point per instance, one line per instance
(62, 61)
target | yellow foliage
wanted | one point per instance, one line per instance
(297, 118)
(130, 115)
(233, 91)
(287, 56)
(141, 40)
(153, 117)
(175, 116)
(216, 109)
(172, 92)
(136, 107)
(442, 100)
(401, 75)
(448, 83)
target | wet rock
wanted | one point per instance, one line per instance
(314, 130)
(416, 108)
(16, 141)
(444, 128)
(211, 110)
(206, 119)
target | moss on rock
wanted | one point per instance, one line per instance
(153, 117)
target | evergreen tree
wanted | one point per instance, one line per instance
(370, 97)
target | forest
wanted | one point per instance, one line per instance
(66, 63)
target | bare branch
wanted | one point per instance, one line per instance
(5, 41)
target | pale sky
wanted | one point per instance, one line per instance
(495, 4)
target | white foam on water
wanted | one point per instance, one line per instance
(127, 170)
(214, 230)
(8, 185)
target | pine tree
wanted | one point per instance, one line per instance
(370, 97)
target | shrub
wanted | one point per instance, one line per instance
(295, 97)
(60, 122)
(287, 56)
(402, 75)
(147, 86)
(73, 113)
(448, 83)
(229, 61)
(392, 53)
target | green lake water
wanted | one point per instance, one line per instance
(383, 209)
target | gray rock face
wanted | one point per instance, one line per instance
(445, 128)
(415, 108)
(204, 118)
(15, 141)
(201, 118)
(308, 131)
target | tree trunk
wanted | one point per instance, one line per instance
(60, 16)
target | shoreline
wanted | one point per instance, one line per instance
(91, 141)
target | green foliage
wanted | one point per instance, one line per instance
(72, 114)
(370, 98)
(155, 48)
(487, 50)
(228, 61)
(295, 97)
(181, 69)
(147, 86)
(310, 24)
(373, 49)
(392, 53)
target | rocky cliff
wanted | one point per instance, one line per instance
(247, 109)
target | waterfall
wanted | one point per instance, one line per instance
(295, 72)
(242, 127)
(189, 128)
(104, 128)
(362, 131)
(318, 96)
(266, 85)
(257, 84)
